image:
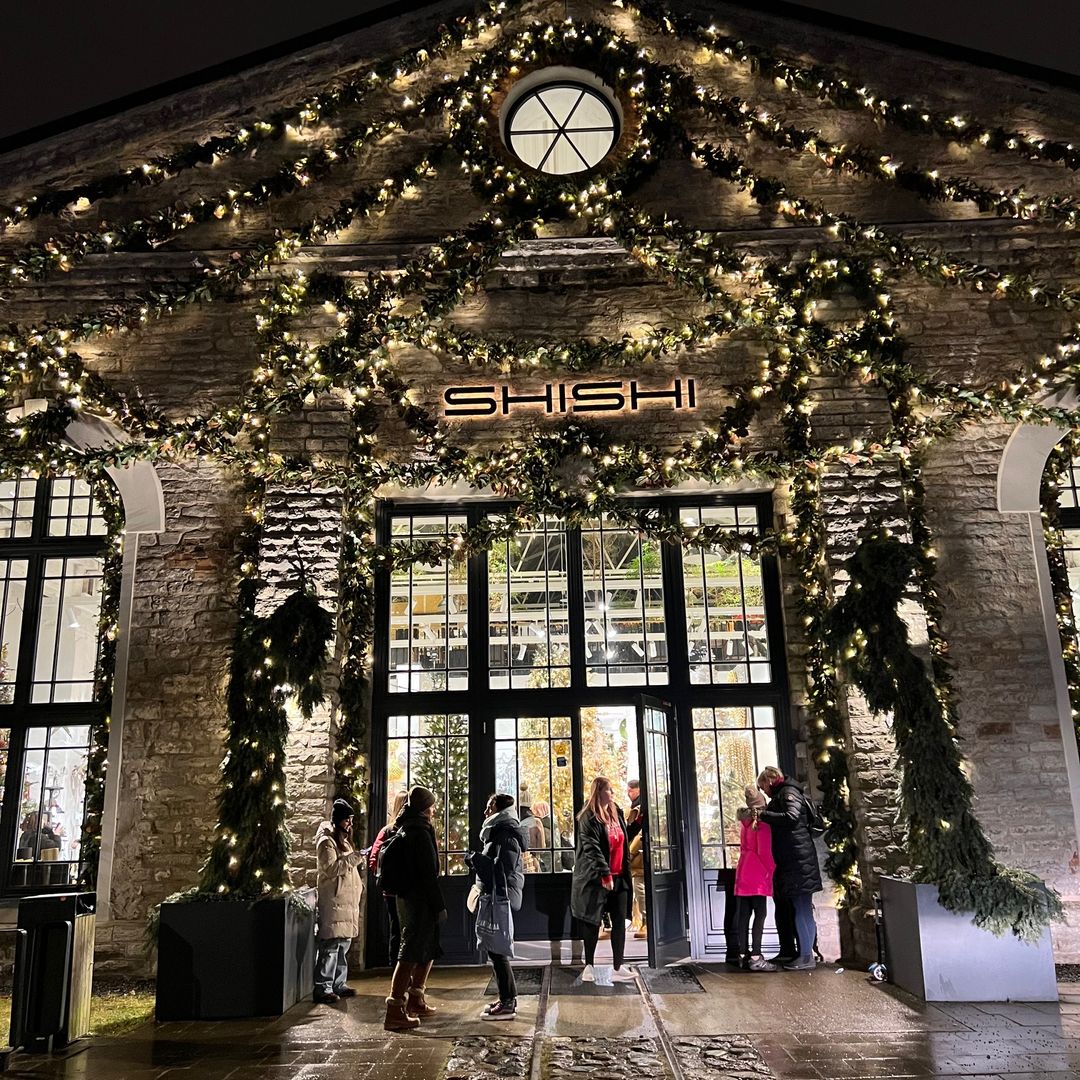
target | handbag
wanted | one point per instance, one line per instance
(472, 901)
(495, 924)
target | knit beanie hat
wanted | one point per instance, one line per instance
(342, 810)
(420, 798)
(754, 798)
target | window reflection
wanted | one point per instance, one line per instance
(433, 751)
(625, 635)
(534, 763)
(528, 602)
(52, 801)
(731, 747)
(429, 612)
(67, 637)
(726, 635)
(12, 606)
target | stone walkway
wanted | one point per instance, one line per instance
(723, 1025)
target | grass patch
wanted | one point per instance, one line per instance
(112, 1012)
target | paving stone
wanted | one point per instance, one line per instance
(605, 1059)
(733, 1056)
(477, 1057)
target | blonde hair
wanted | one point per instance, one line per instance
(768, 776)
(592, 803)
(400, 799)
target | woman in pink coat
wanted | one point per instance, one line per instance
(753, 880)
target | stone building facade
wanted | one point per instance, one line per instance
(187, 514)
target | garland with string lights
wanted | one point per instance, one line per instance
(944, 839)
(574, 471)
(1057, 467)
(112, 511)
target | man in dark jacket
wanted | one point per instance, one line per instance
(798, 875)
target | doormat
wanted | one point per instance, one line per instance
(528, 981)
(566, 982)
(681, 979)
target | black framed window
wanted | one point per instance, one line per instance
(52, 551)
(556, 632)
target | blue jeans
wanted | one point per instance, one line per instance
(805, 927)
(331, 964)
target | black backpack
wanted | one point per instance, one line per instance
(393, 871)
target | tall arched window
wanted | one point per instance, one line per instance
(52, 550)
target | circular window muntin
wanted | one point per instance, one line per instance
(590, 86)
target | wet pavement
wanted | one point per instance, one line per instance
(713, 1024)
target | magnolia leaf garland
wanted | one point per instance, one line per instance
(944, 839)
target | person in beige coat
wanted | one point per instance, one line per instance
(340, 891)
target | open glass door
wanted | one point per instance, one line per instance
(665, 875)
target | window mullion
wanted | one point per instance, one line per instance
(575, 596)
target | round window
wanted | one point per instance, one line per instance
(561, 125)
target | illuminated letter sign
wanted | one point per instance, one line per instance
(600, 396)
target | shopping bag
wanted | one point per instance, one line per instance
(495, 925)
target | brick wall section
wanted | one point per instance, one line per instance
(302, 528)
(183, 626)
(1008, 717)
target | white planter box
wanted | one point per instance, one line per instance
(941, 956)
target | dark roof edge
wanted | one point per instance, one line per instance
(205, 75)
(907, 39)
(781, 8)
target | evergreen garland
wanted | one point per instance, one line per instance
(774, 297)
(1057, 468)
(944, 838)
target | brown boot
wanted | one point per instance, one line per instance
(397, 1019)
(418, 1004)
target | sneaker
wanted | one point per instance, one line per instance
(501, 1010)
(640, 935)
(759, 963)
(623, 975)
(801, 963)
(587, 974)
(781, 961)
(325, 999)
(345, 991)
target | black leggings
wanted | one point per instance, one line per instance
(616, 907)
(745, 906)
(504, 976)
(395, 928)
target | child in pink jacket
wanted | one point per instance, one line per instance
(753, 880)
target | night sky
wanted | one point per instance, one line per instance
(58, 57)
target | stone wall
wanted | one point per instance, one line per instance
(565, 285)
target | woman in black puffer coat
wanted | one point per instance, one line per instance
(505, 841)
(798, 874)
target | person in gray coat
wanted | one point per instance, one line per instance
(501, 869)
(601, 881)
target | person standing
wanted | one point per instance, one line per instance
(601, 880)
(753, 880)
(501, 871)
(798, 875)
(635, 833)
(394, 939)
(338, 907)
(421, 911)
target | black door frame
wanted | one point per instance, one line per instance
(478, 702)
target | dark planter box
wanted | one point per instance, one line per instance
(220, 960)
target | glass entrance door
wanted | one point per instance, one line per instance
(663, 836)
